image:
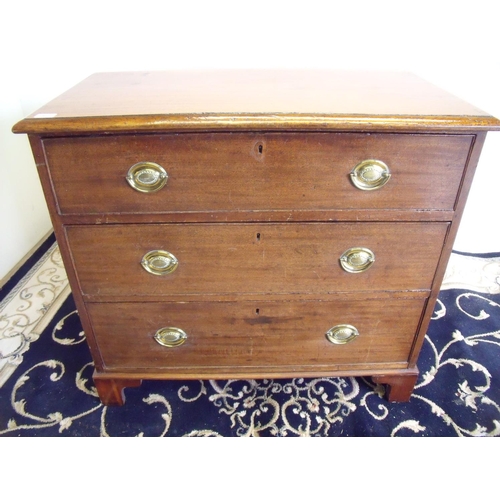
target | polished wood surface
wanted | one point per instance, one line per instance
(400, 385)
(252, 172)
(216, 259)
(270, 337)
(258, 208)
(111, 391)
(448, 245)
(253, 99)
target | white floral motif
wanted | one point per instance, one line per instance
(28, 308)
(413, 425)
(149, 400)
(470, 397)
(439, 310)
(184, 389)
(52, 419)
(310, 408)
(202, 433)
(67, 341)
(482, 314)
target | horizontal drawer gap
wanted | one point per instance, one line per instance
(237, 297)
(263, 217)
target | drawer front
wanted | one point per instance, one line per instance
(254, 334)
(254, 258)
(255, 172)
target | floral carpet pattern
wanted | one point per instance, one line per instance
(25, 311)
(51, 392)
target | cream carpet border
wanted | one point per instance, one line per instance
(29, 307)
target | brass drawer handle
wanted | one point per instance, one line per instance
(357, 259)
(147, 177)
(170, 336)
(159, 262)
(342, 334)
(370, 175)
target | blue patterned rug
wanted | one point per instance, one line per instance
(51, 392)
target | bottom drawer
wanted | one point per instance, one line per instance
(248, 336)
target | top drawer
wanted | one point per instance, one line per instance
(238, 172)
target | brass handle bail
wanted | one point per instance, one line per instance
(147, 177)
(159, 262)
(342, 334)
(370, 175)
(357, 259)
(170, 336)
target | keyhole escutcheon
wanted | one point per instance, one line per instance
(258, 150)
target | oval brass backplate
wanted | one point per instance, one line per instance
(370, 175)
(159, 262)
(147, 177)
(357, 259)
(170, 336)
(342, 334)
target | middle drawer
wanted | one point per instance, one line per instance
(218, 259)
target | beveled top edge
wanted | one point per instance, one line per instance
(241, 122)
(254, 99)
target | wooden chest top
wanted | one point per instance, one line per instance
(254, 99)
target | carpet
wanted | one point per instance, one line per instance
(50, 391)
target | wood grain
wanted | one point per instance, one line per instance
(111, 390)
(253, 172)
(255, 334)
(462, 194)
(250, 258)
(254, 99)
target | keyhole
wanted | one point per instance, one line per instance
(259, 150)
(258, 236)
(257, 311)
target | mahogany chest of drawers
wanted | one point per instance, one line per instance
(251, 224)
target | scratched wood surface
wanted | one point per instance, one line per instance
(238, 172)
(271, 336)
(254, 258)
(253, 99)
